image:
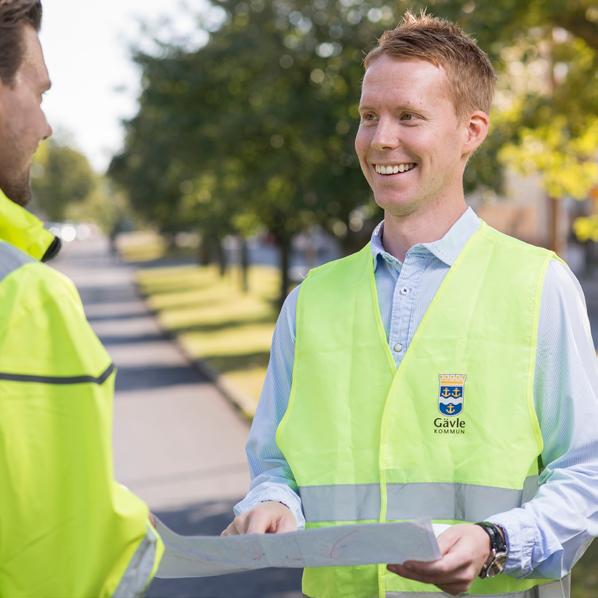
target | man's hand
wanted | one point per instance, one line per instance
(464, 548)
(267, 518)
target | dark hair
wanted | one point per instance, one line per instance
(442, 43)
(13, 15)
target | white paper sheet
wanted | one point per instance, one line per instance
(203, 556)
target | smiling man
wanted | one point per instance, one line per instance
(67, 529)
(446, 371)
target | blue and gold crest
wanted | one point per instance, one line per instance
(450, 396)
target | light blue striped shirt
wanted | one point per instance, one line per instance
(549, 533)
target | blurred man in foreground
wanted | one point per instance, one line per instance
(446, 371)
(67, 529)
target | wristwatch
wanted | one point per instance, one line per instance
(495, 563)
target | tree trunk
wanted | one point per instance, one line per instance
(284, 244)
(221, 257)
(590, 249)
(203, 251)
(556, 241)
(244, 263)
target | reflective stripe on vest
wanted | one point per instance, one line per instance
(11, 259)
(556, 589)
(59, 379)
(138, 573)
(460, 502)
(367, 441)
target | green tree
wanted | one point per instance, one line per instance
(61, 176)
(546, 119)
(256, 127)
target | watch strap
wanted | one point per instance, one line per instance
(498, 549)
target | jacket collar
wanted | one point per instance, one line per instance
(23, 230)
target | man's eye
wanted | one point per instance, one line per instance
(407, 116)
(368, 116)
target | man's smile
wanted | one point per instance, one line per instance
(395, 168)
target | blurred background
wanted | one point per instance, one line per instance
(203, 161)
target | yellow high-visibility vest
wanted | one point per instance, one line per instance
(450, 435)
(67, 529)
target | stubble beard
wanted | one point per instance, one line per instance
(15, 171)
(18, 189)
(15, 165)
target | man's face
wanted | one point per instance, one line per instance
(22, 121)
(410, 142)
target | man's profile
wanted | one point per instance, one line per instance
(67, 529)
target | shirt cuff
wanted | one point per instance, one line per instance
(521, 539)
(276, 493)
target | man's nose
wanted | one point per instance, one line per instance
(387, 135)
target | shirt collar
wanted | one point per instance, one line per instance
(445, 249)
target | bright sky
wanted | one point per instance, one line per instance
(95, 84)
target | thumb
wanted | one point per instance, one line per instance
(447, 539)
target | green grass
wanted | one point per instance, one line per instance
(215, 321)
(141, 246)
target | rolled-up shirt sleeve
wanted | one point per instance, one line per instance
(271, 476)
(551, 532)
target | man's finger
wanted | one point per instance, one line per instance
(448, 538)
(230, 530)
(435, 572)
(451, 563)
(258, 522)
(454, 589)
(403, 572)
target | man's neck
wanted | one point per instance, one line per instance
(403, 232)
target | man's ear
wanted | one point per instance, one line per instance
(476, 130)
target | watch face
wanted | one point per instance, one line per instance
(498, 564)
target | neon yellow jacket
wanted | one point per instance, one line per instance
(451, 435)
(67, 529)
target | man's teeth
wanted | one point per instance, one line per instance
(395, 168)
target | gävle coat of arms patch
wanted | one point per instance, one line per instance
(451, 394)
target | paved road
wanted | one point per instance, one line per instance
(178, 444)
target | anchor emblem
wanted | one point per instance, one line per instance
(450, 395)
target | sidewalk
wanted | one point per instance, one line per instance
(177, 443)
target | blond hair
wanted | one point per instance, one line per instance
(438, 41)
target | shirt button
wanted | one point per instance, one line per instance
(398, 348)
(404, 290)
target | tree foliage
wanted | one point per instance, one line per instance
(61, 176)
(256, 127)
